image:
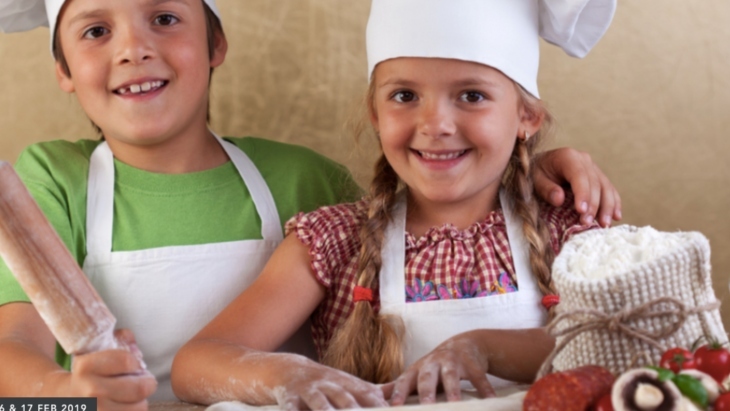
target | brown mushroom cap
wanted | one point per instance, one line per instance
(624, 390)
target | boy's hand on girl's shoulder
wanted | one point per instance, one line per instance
(595, 197)
(318, 387)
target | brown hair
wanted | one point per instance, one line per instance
(369, 345)
(212, 25)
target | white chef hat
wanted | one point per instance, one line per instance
(23, 15)
(504, 34)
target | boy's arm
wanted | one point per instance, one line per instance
(596, 199)
(29, 370)
(230, 358)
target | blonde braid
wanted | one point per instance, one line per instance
(369, 345)
(520, 186)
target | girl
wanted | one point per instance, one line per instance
(449, 276)
(169, 221)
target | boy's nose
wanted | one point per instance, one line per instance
(435, 119)
(133, 47)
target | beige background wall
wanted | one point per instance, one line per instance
(651, 103)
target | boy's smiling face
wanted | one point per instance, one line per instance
(140, 68)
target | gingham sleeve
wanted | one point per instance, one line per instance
(332, 235)
(563, 221)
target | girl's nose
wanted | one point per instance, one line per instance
(134, 46)
(435, 119)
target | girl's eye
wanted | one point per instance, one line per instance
(95, 32)
(166, 20)
(404, 96)
(472, 97)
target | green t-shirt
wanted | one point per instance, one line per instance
(156, 210)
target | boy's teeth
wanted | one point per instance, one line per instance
(447, 156)
(139, 88)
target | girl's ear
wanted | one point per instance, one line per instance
(220, 48)
(531, 120)
(64, 80)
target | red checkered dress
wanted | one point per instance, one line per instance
(444, 263)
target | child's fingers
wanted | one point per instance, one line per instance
(315, 400)
(610, 203)
(428, 378)
(387, 390)
(451, 381)
(106, 363)
(338, 397)
(132, 389)
(404, 385)
(477, 376)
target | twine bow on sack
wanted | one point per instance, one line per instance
(620, 322)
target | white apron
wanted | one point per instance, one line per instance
(429, 323)
(166, 295)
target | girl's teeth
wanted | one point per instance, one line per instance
(146, 86)
(135, 88)
(449, 156)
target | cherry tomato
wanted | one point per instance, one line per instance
(722, 403)
(714, 360)
(677, 359)
(603, 404)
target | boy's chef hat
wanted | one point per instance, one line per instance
(22, 15)
(503, 34)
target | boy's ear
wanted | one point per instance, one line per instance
(64, 80)
(220, 48)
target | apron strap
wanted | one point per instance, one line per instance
(100, 202)
(393, 255)
(517, 241)
(100, 198)
(261, 195)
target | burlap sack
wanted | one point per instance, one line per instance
(629, 318)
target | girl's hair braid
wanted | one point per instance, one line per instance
(519, 185)
(369, 345)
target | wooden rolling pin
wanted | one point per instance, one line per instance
(47, 272)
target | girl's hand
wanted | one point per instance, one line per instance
(116, 377)
(595, 197)
(317, 387)
(458, 358)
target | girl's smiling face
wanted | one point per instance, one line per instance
(448, 128)
(140, 68)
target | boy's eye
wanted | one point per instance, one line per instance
(95, 32)
(166, 20)
(404, 96)
(472, 97)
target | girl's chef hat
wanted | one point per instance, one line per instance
(503, 34)
(22, 15)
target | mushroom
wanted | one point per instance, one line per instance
(641, 390)
(712, 387)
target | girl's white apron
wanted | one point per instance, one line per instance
(166, 295)
(429, 323)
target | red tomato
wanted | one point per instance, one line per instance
(603, 404)
(677, 359)
(722, 403)
(714, 360)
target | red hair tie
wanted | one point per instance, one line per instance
(550, 300)
(362, 294)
